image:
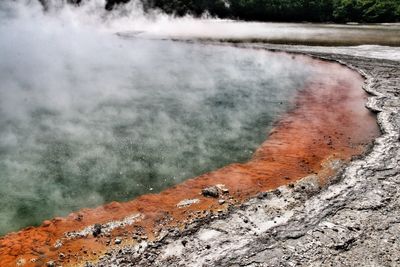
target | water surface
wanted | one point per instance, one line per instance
(134, 119)
(89, 116)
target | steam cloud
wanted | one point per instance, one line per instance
(87, 117)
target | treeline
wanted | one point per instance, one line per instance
(289, 10)
(368, 11)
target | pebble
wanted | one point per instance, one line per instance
(96, 230)
(262, 195)
(210, 192)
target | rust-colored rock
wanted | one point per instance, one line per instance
(328, 121)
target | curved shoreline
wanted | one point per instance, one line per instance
(353, 222)
(148, 217)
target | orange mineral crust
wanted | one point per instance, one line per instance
(328, 123)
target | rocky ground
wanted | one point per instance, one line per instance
(354, 221)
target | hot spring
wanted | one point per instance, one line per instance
(88, 117)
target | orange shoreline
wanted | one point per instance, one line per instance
(328, 122)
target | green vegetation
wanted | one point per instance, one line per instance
(368, 11)
(282, 10)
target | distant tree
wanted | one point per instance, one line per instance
(380, 11)
(366, 10)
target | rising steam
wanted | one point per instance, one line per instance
(88, 116)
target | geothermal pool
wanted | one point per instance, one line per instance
(130, 117)
(89, 116)
(326, 123)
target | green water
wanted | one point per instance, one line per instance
(180, 116)
(88, 117)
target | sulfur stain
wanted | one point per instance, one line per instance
(329, 123)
